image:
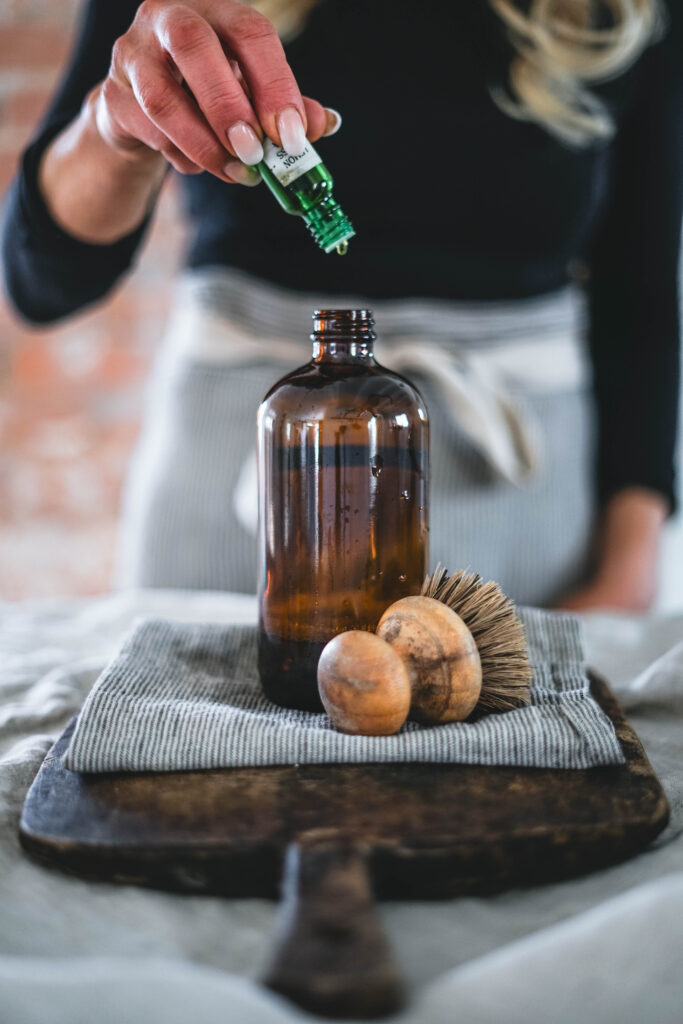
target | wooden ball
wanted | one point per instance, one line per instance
(440, 654)
(363, 684)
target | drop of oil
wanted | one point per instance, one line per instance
(403, 577)
(376, 463)
(405, 496)
(343, 248)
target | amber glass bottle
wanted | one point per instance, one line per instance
(343, 517)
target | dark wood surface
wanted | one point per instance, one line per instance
(428, 830)
(416, 831)
(330, 954)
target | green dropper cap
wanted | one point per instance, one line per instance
(303, 187)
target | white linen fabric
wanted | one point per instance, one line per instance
(605, 948)
(178, 696)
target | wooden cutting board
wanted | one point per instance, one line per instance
(333, 837)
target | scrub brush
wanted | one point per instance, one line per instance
(436, 657)
(498, 633)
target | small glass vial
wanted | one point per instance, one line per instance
(343, 451)
(303, 186)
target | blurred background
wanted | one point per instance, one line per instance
(71, 396)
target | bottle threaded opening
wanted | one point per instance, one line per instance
(329, 225)
(342, 324)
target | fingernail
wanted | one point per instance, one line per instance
(241, 174)
(334, 121)
(245, 142)
(291, 129)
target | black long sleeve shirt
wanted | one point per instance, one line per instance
(490, 208)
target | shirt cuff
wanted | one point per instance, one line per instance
(44, 234)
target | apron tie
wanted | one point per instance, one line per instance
(474, 385)
(477, 401)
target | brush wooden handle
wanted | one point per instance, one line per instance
(331, 956)
(440, 656)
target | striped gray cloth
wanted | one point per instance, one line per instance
(180, 696)
(275, 312)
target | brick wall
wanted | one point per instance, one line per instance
(70, 396)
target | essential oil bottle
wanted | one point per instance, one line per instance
(303, 186)
(343, 451)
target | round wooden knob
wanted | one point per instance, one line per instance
(363, 684)
(440, 654)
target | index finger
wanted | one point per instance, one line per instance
(255, 44)
(197, 53)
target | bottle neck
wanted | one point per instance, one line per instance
(343, 336)
(342, 351)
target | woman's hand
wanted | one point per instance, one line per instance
(193, 83)
(627, 574)
(200, 81)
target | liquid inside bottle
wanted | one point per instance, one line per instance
(343, 527)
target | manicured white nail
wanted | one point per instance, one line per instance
(334, 121)
(291, 129)
(241, 174)
(245, 142)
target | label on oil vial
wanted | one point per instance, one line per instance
(288, 168)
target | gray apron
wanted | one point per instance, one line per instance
(508, 394)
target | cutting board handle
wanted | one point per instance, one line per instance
(330, 955)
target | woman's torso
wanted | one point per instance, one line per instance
(450, 197)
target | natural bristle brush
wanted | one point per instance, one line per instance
(457, 646)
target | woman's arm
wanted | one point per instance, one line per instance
(634, 333)
(193, 84)
(95, 192)
(48, 272)
(629, 540)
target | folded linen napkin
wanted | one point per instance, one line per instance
(185, 696)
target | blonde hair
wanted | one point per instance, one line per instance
(288, 16)
(560, 50)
